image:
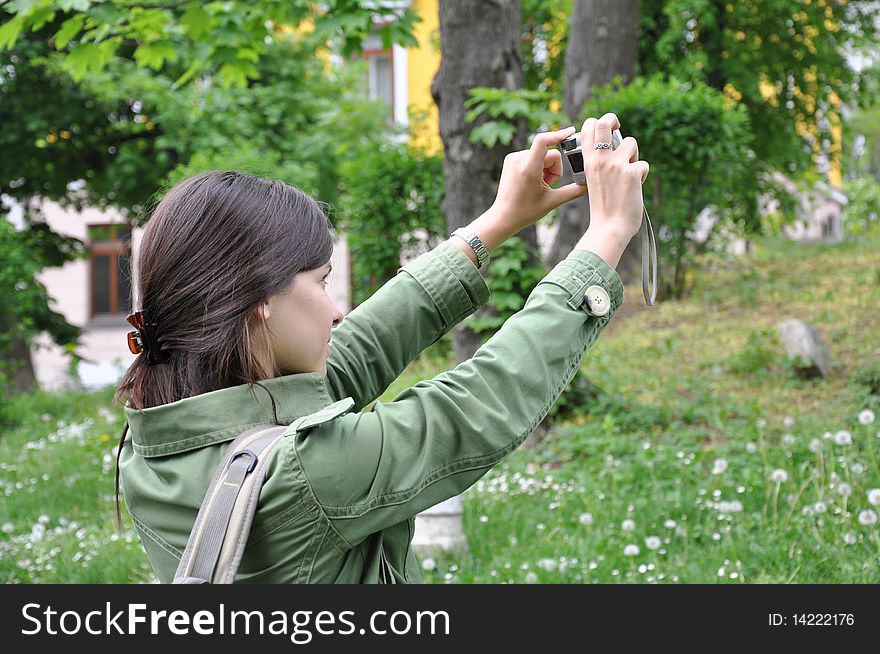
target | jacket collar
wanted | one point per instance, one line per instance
(223, 414)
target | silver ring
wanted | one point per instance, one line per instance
(602, 145)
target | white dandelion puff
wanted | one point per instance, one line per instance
(719, 466)
(628, 525)
(788, 422)
(631, 550)
(815, 446)
(820, 507)
(585, 518)
(669, 524)
(788, 440)
(429, 564)
(844, 489)
(849, 538)
(867, 517)
(843, 437)
(873, 498)
(857, 468)
(866, 417)
(548, 564)
(531, 578)
(652, 542)
(779, 476)
(751, 447)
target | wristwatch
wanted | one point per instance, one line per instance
(476, 244)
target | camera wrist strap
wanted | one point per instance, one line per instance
(649, 256)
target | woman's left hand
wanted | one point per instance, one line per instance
(524, 192)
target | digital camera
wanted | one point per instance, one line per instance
(572, 149)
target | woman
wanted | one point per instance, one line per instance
(239, 331)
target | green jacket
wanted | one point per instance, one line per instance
(343, 490)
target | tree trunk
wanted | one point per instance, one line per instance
(602, 43)
(480, 46)
(18, 360)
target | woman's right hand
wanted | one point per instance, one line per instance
(614, 179)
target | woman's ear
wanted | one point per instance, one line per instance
(263, 310)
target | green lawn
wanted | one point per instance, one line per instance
(704, 459)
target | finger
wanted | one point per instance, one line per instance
(544, 140)
(552, 166)
(630, 148)
(567, 193)
(603, 129)
(588, 134)
(644, 168)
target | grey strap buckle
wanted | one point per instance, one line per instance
(251, 464)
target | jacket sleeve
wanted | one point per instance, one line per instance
(375, 469)
(376, 341)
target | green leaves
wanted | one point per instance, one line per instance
(69, 29)
(84, 58)
(510, 107)
(10, 30)
(493, 132)
(154, 55)
(165, 33)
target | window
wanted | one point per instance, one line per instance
(110, 265)
(381, 82)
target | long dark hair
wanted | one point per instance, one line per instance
(216, 246)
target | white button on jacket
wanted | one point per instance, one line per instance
(597, 301)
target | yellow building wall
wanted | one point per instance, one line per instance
(423, 62)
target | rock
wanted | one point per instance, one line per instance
(804, 344)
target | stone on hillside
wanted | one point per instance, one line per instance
(804, 345)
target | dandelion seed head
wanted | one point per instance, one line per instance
(719, 466)
(820, 507)
(788, 440)
(779, 476)
(815, 446)
(849, 538)
(873, 498)
(866, 417)
(585, 518)
(631, 550)
(669, 524)
(429, 564)
(531, 578)
(843, 437)
(628, 525)
(751, 447)
(652, 542)
(844, 489)
(867, 517)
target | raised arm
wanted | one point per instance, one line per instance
(429, 296)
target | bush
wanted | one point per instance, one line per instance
(862, 215)
(390, 201)
(697, 142)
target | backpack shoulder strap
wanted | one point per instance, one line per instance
(218, 537)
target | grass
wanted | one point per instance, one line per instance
(703, 450)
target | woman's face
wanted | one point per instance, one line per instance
(300, 320)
